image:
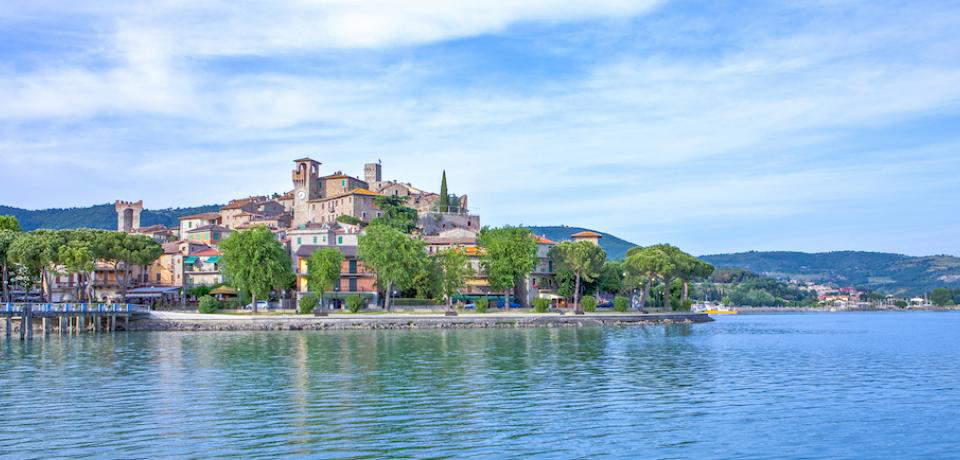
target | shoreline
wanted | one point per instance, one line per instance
(765, 310)
(170, 321)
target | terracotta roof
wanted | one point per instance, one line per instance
(171, 248)
(209, 228)
(541, 240)
(586, 234)
(356, 191)
(206, 252)
(204, 215)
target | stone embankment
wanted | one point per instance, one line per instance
(168, 321)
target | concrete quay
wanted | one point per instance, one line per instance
(174, 321)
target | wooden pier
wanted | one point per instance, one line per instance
(66, 318)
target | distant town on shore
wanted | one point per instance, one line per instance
(332, 210)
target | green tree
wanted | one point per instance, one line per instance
(611, 277)
(393, 255)
(38, 253)
(642, 267)
(509, 255)
(444, 205)
(584, 259)
(454, 271)
(941, 297)
(7, 237)
(254, 261)
(10, 223)
(76, 257)
(323, 271)
(394, 213)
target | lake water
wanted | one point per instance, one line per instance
(875, 385)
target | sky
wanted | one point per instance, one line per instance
(717, 126)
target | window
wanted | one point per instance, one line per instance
(353, 284)
(158, 277)
(353, 267)
(343, 183)
(298, 240)
(314, 240)
(340, 240)
(189, 224)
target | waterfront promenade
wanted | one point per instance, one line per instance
(165, 321)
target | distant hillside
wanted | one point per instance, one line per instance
(616, 248)
(884, 272)
(98, 216)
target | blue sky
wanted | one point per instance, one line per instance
(717, 126)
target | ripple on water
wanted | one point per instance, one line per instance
(749, 386)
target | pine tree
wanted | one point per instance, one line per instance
(444, 205)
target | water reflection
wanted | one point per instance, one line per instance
(675, 390)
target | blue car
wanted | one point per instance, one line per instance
(513, 304)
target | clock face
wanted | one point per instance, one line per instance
(302, 194)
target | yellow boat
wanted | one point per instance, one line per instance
(721, 312)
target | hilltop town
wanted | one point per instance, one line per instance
(319, 211)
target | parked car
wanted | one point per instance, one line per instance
(261, 305)
(513, 304)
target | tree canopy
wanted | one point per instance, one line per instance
(395, 213)
(509, 255)
(393, 255)
(255, 262)
(453, 271)
(323, 270)
(584, 259)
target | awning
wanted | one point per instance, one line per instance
(213, 259)
(483, 283)
(224, 290)
(190, 260)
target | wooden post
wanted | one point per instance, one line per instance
(126, 322)
(113, 323)
(59, 324)
(27, 322)
(43, 323)
(9, 324)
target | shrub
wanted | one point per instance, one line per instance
(540, 305)
(621, 303)
(308, 303)
(408, 302)
(208, 305)
(199, 291)
(345, 219)
(482, 303)
(589, 304)
(354, 303)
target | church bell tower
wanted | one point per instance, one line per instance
(306, 187)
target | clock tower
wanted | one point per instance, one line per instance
(306, 187)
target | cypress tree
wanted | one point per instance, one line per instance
(444, 205)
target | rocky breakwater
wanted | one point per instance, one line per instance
(196, 322)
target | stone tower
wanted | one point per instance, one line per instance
(373, 175)
(128, 215)
(306, 187)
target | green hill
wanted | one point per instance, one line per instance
(98, 216)
(616, 248)
(878, 271)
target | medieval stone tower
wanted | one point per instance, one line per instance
(128, 215)
(306, 187)
(373, 175)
